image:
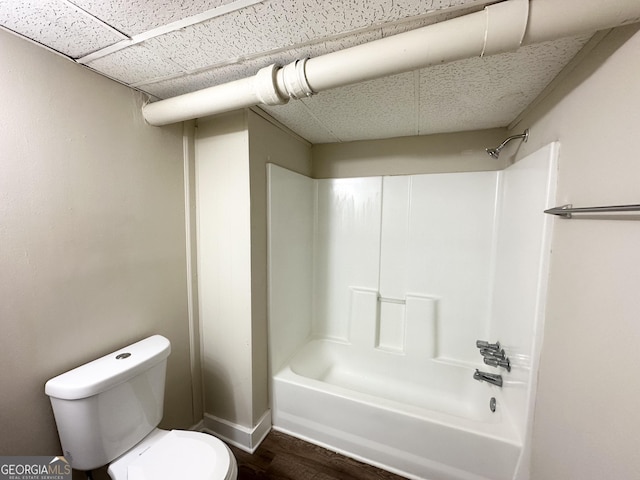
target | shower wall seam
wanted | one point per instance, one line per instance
(378, 318)
(408, 223)
(497, 219)
(380, 246)
(313, 331)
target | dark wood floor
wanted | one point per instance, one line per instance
(283, 457)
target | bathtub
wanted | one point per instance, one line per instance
(423, 420)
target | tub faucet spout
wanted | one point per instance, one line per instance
(492, 378)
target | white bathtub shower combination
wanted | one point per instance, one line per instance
(379, 288)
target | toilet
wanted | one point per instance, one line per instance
(107, 412)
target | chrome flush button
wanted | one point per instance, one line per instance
(123, 355)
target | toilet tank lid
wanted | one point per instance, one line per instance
(106, 372)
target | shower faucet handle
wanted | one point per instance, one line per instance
(496, 362)
(493, 354)
(482, 344)
(488, 352)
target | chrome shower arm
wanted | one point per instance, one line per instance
(524, 136)
(495, 152)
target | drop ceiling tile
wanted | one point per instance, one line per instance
(492, 91)
(196, 47)
(409, 8)
(133, 17)
(334, 44)
(134, 64)
(58, 25)
(173, 87)
(376, 109)
(298, 118)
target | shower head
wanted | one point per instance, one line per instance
(495, 152)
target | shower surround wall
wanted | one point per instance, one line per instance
(379, 288)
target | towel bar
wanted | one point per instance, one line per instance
(568, 210)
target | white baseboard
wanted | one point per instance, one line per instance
(247, 439)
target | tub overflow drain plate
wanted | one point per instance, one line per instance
(122, 356)
(492, 404)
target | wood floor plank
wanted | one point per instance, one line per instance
(282, 457)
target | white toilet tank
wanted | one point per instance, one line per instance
(105, 407)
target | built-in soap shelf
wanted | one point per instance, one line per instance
(406, 325)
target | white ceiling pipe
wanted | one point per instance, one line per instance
(217, 99)
(499, 27)
(225, 97)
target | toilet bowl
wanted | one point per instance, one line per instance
(107, 412)
(176, 454)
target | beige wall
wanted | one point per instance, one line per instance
(448, 152)
(586, 417)
(92, 237)
(224, 265)
(231, 155)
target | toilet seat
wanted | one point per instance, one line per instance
(176, 454)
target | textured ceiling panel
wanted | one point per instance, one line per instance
(56, 24)
(376, 109)
(133, 17)
(182, 84)
(490, 92)
(134, 64)
(301, 120)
